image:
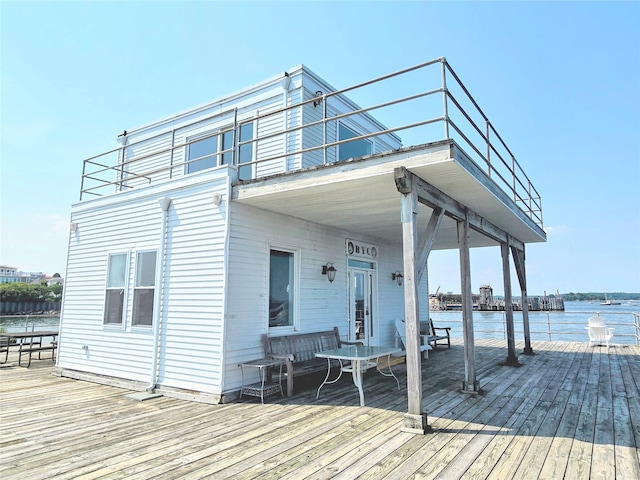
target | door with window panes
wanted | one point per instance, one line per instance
(362, 315)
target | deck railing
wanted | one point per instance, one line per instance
(551, 326)
(442, 104)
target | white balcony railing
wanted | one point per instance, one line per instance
(426, 103)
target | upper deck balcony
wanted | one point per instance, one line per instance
(295, 136)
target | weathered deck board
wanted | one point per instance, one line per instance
(569, 411)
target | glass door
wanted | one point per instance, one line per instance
(361, 305)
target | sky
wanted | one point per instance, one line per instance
(559, 80)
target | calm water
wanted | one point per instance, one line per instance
(22, 323)
(565, 326)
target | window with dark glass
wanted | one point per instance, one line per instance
(281, 289)
(214, 150)
(144, 288)
(114, 296)
(226, 147)
(353, 149)
(202, 154)
(246, 152)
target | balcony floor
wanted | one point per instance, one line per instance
(360, 195)
(569, 411)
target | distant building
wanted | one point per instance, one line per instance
(10, 274)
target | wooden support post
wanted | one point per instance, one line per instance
(470, 384)
(415, 420)
(427, 242)
(512, 358)
(519, 262)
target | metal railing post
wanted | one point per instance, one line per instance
(121, 172)
(84, 172)
(234, 141)
(445, 93)
(324, 130)
(504, 325)
(514, 178)
(487, 125)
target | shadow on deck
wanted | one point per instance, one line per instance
(570, 411)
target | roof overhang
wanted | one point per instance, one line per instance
(360, 196)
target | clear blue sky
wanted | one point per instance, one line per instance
(560, 81)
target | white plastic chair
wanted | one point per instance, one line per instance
(402, 335)
(599, 333)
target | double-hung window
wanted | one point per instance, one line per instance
(281, 288)
(144, 288)
(353, 149)
(115, 291)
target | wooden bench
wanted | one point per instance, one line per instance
(298, 351)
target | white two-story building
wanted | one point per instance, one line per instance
(282, 208)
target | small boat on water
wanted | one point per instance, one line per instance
(608, 302)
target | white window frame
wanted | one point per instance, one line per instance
(125, 291)
(191, 163)
(137, 288)
(252, 145)
(218, 134)
(296, 287)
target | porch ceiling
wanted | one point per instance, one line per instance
(360, 196)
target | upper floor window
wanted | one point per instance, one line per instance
(217, 149)
(246, 152)
(144, 288)
(115, 291)
(202, 154)
(353, 149)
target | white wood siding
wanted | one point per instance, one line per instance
(321, 305)
(272, 146)
(192, 313)
(176, 131)
(110, 350)
(191, 342)
(294, 139)
(148, 164)
(312, 136)
(200, 122)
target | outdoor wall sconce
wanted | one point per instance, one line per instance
(318, 99)
(398, 277)
(330, 271)
(73, 227)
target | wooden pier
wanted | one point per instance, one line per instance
(568, 412)
(485, 302)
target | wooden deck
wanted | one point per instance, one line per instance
(569, 412)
